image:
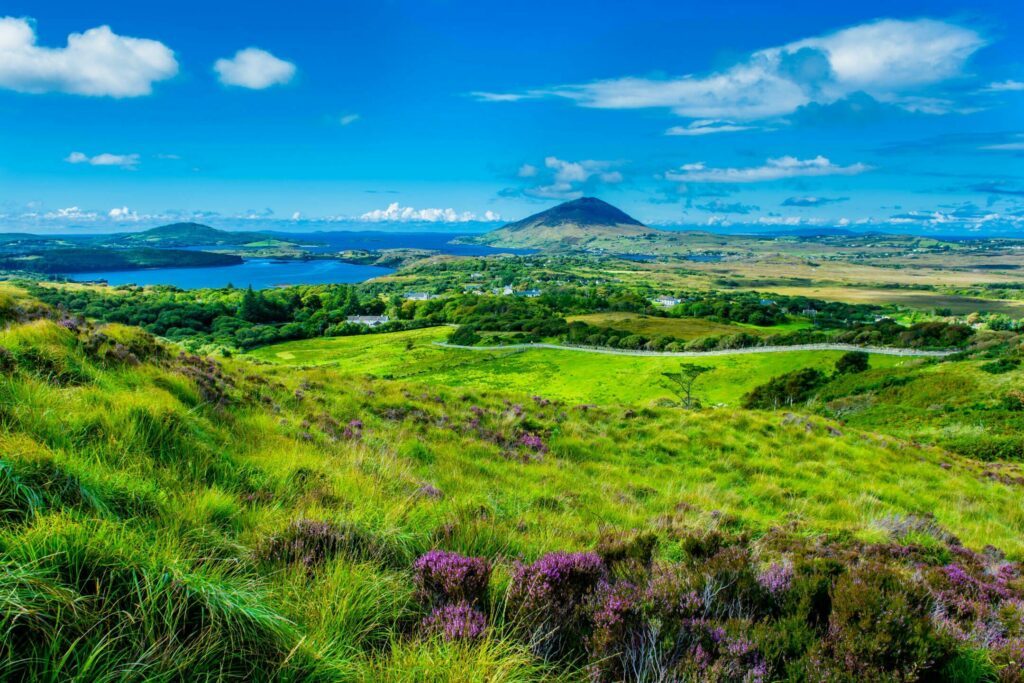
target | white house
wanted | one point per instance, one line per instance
(668, 301)
(368, 320)
(420, 296)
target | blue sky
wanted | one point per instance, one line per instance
(313, 115)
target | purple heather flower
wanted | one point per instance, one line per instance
(533, 442)
(459, 621)
(445, 577)
(777, 578)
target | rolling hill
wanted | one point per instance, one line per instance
(184, 235)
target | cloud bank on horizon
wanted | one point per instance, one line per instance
(909, 123)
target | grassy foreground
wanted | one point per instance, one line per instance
(168, 517)
(565, 375)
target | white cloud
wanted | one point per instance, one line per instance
(71, 213)
(348, 119)
(707, 127)
(888, 59)
(126, 161)
(297, 216)
(255, 69)
(407, 214)
(97, 62)
(504, 96)
(1004, 86)
(562, 179)
(773, 169)
(122, 213)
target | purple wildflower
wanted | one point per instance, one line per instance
(777, 578)
(459, 621)
(444, 577)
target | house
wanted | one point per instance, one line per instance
(507, 291)
(529, 293)
(668, 301)
(368, 320)
(420, 296)
(767, 302)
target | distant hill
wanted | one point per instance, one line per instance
(98, 259)
(184, 235)
(577, 224)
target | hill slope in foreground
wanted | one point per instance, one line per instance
(166, 517)
(576, 224)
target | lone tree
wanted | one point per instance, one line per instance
(681, 383)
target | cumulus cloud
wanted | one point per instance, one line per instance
(812, 201)
(707, 127)
(891, 60)
(97, 62)
(773, 169)
(255, 69)
(407, 214)
(126, 161)
(122, 214)
(561, 179)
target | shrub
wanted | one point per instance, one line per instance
(785, 390)
(546, 599)
(852, 362)
(312, 543)
(880, 629)
(1000, 366)
(458, 621)
(443, 577)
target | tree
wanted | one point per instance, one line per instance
(250, 309)
(851, 362)
(681, 383)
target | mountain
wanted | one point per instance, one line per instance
(581, 223)
(184, 235)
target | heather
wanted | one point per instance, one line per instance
(166, 515)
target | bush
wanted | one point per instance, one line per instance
(546, 599)
(464, 335)
(852, 362)
(442, 577)
(785, 390)
(880, 629)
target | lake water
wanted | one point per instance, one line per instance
(260, 273)
(265, 273)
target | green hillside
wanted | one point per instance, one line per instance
(169, 517)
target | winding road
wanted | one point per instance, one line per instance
(882, 350)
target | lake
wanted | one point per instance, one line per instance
(265, 273)
(259, 273)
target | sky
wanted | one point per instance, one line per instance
(902, 116)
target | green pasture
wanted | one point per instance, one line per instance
(567, 375)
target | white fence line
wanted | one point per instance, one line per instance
(881, 350)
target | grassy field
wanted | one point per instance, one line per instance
(681, 328)
(565, 375)
(166, 517)
(923, 300)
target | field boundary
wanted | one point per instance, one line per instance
(880, 350)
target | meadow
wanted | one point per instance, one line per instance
(564, 375)
(169, 516)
